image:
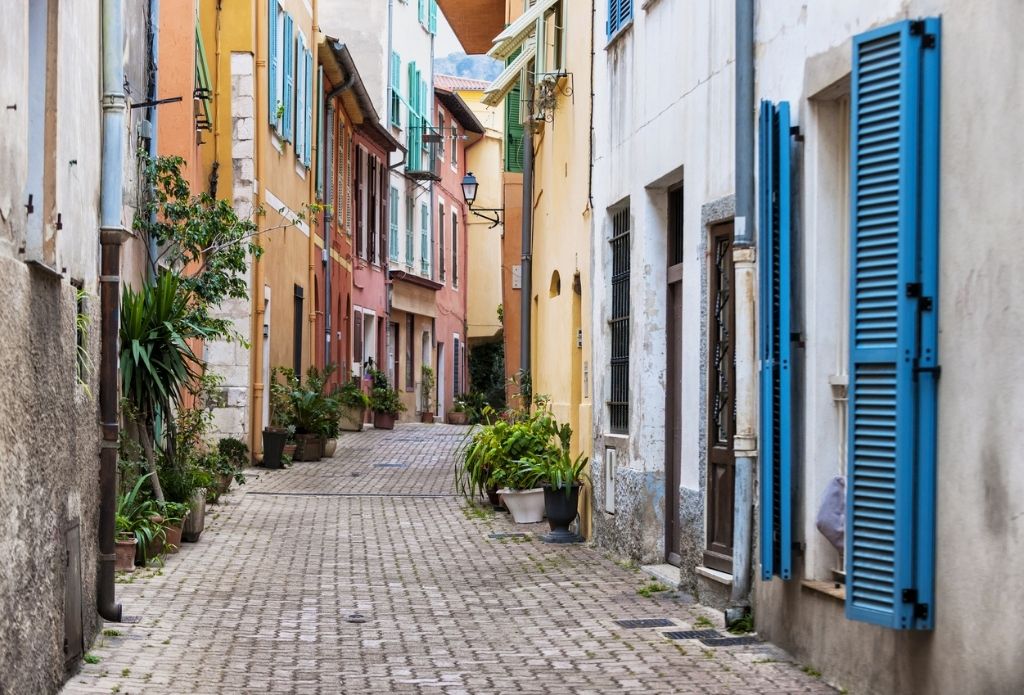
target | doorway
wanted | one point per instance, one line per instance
(439, 405)
(673, 376)
(721, 404)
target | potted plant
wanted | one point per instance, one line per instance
(136, 529)
(384, 401)
(275, 436)
(427, 383)
(562, 477)
(232, 455)
(329, 426)
(458, 414)
(353, 403)
(308, 413)
(174, 517)
(289, 448)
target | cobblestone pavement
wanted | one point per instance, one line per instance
(365, 574)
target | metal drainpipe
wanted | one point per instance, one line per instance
(112, 236)
(527, 242)
(744, 258)
(324, 161)
(151, 116)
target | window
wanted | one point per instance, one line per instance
(301, 134)
(440, 236)
(425, 240)
(410, 222)
(275, 74)
(551, 41)
(514, 131)
(890, 543)
(618, 403)
(298, 321)
(41, 180)
(357, 340)
(410, 354)
(456, 371)
(455, 248)
(620, 16)
(393, 229)
(372, 182)
(288, 39)
(414, 139)
(396, 90)
(456, 139)
(360, 202)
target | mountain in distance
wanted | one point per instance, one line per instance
(473, 67)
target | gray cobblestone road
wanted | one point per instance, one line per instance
(264, 603)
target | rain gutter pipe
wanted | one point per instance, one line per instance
(112, 236)
(527, 243)
(744, 258)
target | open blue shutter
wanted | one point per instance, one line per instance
(894, 194)
(289, 79)
(433, 17)
(393, 229)
(301, 135)
(272, 43)
(776, 358)
(421, 10)
(613, 17)
(308, 88)
(321, 120)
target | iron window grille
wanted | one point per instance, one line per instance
(618, 322)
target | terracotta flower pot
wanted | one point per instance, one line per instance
(383, 421)
(458, 418)
(173, 540)
(427, 418)
(124, 554)
(289, 450)
(146, 554)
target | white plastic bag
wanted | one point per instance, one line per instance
(831, 519)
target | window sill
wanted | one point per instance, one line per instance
(614, 38)
(830, 589)
(714, 575)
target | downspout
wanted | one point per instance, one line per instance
(329, 214)
(112, 236)
(744, 259)
(527, 260)
(151, 116)
(311, 194)
(259, 299)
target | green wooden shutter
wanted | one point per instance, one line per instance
(514, 131)
(393, 231)
(415, 137)
(396, 90)
(894, 144)
(432, 24)
(776, 359)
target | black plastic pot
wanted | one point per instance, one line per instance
(273, 447)
(561, 510)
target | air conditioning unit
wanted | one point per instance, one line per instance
(610, 468)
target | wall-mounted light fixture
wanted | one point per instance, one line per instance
(469, 190)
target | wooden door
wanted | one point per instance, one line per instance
(721, 401)
(673, 376)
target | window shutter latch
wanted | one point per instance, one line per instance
(916, 291)
(920, 609)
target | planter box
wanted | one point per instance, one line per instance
(458, 418)
(384, 421)
(527, 506)
(307, 447)
(352, 419)
(195, 520)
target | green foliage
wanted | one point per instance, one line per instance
(234, 451)
(487, 375)
(351, 395)
(134, 516)
(383, 398)
(651, 588)
(91, 658)
(742, 626)
(557, 468)
(304, 404)
(427, 383)
(702, 622)
(173, 513)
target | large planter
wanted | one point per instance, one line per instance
(458, 418)
(527, 506)
(307, 447)
(124, 554)
(195, 520)
(427, 418)
(383, 421)
(289, 452)
(222, 486)
(352, 419)
(330, 446)
(495, 499)
(273, 447)
(561, 510)
(173, 540)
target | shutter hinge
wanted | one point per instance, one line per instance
(917, 27)
(916, 291)
(29, 207)
(794, 131)
(929, 41)
(920, 609)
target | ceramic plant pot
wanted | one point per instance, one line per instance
(195, 520)
(330, 446)
(561, 509)
(124, 554)
(527, 506)
(173, 540)
(274, 441)
(458, 418)
(352, 419)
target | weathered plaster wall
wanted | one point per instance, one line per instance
(655, 128)
(975, 646)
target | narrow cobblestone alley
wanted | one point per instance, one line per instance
(365, 574)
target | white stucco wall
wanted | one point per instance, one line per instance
(663, 115)
(975, 646)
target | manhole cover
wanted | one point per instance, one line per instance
(355, 618)
(729, 641)
(691, 634)
(500, 535)
(645, 622)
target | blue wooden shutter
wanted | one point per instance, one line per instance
(301, 135)
(273, 40)
(893, 368)
(308, 88)
(433, 17)
(289, 79)
(776, 357)
(415, 133)
(422, 11)
(322, 155)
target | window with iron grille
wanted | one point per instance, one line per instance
(618, 322)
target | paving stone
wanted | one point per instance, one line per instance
(261, 604)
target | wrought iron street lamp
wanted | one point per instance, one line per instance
(469, 190)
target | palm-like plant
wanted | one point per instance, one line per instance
(133, 517)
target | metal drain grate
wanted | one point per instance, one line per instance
(692, 634)
(729, 641)
(500, 535)
(131, 619)
(389, 465)
(645, 622)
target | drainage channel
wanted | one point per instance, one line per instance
(417, 495)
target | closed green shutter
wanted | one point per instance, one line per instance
(396, 90)
(894, 142)
(432, 25)
(393, 231)
(514, 131)
(415, 138)
(776, 347)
